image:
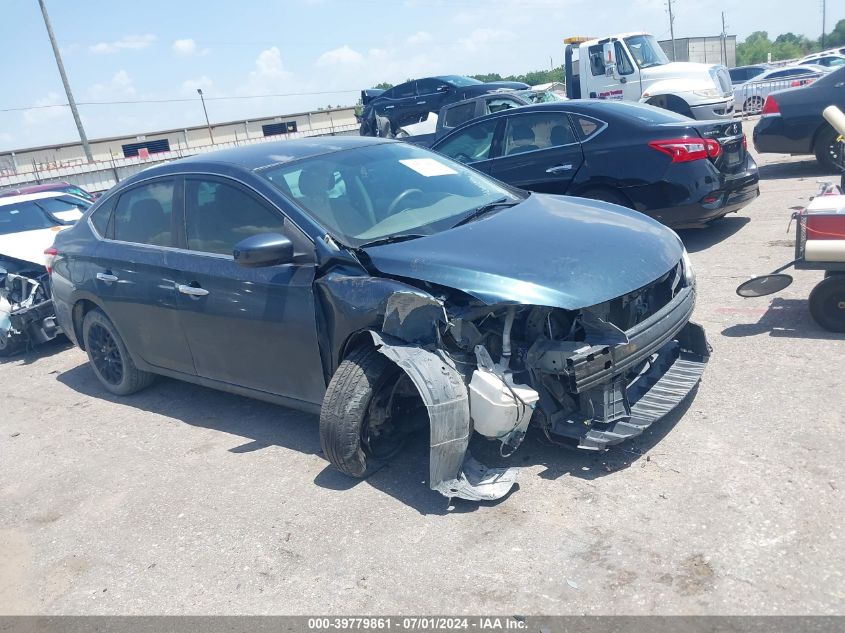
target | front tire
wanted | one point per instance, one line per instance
(359, 394)
(827, 303)
(109, 358)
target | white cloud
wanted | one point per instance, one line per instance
(343, 56)
(188, 48)
(191, 85)
(420, 37)
(269, 74)
(121, 85)
(482, 38)
(128, 42)
(43, 113)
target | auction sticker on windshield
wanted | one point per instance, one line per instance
(428, 167)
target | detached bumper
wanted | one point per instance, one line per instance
(622, 389)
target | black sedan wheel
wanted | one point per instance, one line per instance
(828, 150)
(108, 356)
(367, 399)
(827, 303)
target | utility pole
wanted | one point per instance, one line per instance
(724, 42)
(672, 31)
(69, 94)
(199, 90)
(823, 20)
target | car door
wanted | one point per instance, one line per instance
(539, 152)
(134, 276)
(428, 99)
(251, 327)
(399, 106)
(474, 144)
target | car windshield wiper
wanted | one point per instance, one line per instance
(390, 239)
(485, 208)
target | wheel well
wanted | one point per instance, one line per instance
(80, 309)
(356, 341)
(824, 127)
(671, 102)
(612, 190)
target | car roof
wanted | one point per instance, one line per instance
(27, 197)
(259, 155)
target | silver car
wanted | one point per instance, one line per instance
(750, 96)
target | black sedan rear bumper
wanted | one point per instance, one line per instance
(776, 135)
(712, 195)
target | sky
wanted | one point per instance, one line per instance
(314, 52)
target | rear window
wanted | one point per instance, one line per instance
(25, 216)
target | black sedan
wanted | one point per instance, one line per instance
(682, 172)
(387, 111)
(389, 289)
(791, 121)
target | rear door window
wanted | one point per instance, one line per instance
(144, 214)
(219, 215)
(596, 54)
(459, 114)
(530, 132)
(404, 90)
(587, 127)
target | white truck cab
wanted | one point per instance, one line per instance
(633, 67)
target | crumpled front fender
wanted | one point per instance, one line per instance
(452, 470)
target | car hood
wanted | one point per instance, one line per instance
(29, 246)
(555, 251)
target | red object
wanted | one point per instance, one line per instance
(825, 227)
(744, 142)
(143, 152)
(770, 107)
(51, 256)
(684, 150)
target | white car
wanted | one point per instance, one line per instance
(750, 96)
(28, 226)
(827, 59)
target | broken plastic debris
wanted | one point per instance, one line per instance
(477, 482)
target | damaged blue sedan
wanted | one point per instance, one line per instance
(386, 288)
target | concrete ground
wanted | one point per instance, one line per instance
(183, 500)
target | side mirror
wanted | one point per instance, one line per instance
(763, 285)
(609, 55)
(264, 249)
(442, 88)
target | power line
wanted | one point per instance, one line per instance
(176, 100)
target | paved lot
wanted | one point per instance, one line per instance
(182, 500)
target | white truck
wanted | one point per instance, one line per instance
(633, 67)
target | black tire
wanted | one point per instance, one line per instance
(605, 195)
(827, 303)
(109, 358)
(344, 417)
(827, 150)
(11, 344)
(753, 105)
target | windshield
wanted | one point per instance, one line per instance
(38, 214)
(646, 51)
(460, 82)
(373, 192)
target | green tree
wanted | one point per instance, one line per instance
(837, 36)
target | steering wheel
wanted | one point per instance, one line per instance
(395, 204)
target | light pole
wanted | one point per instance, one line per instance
(69, 94)
(210, 133)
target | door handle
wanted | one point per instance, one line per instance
(191, 291)
(420, 102)
(558, 169)
(388, 107)
(107, 277)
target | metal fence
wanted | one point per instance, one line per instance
(102, 175)
(750, 96)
